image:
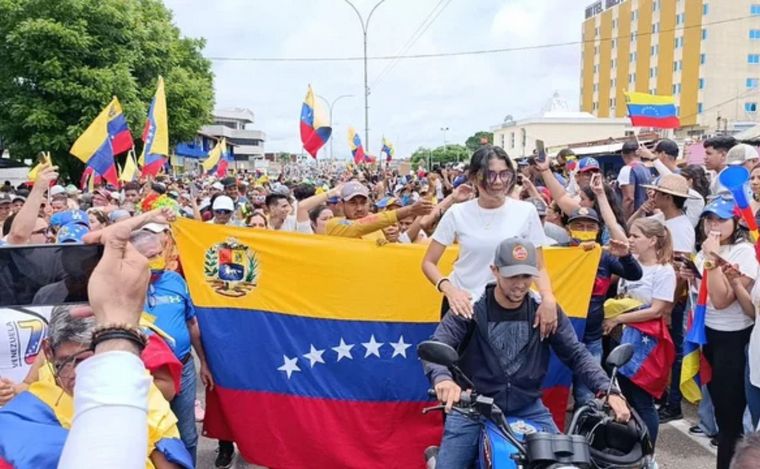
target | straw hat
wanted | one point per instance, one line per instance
(673, 184)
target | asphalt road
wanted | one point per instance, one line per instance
(676, 449)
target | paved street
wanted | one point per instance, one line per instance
(676, 448)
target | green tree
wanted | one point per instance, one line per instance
(63, 60)
(440, 155)
(475, 141)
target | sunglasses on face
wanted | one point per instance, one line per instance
(222, 212)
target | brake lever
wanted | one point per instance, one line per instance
(433, 409)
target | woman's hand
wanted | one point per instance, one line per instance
(597, 186)
(460, 301)
(711, 245)
(609, 324)
(546, 317)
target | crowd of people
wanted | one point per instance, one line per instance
(664, 227)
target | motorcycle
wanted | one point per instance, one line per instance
(508, 442)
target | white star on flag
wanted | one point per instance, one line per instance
(373, 347)
(645, 340)
(344, 350)
(289, 365)
(399, 348)
(314, 356)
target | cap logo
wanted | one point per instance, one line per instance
(519, 253)
(583, 211)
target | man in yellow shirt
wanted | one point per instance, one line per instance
(360, 223)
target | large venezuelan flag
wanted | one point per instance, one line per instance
(312, 340)
(315, 130)
(155, 134)
(648, 110)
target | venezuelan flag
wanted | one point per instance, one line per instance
(388, 150)
(311, 335)
(355, 143)
(215, 155)
(648, 110)
(155, 134)
(107, 136)
(315, 131)
(695, 370)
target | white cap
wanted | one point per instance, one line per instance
(56, 190)
(223, 203)
(741, 153)
(218, 186)
(155, 227)
(205, 203)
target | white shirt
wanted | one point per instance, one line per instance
(110, 425)
(624, 176)
(478, 231)
(657, 282)
(731, 318)
(694, 207)
(292, 225)
(681, 231)
(754, 341)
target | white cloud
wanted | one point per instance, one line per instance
(415, 98)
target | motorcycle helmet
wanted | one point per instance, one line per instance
(613, 444)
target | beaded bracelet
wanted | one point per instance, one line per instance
(118, 331)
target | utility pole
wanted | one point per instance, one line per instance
(330, 106)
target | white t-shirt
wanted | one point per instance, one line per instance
(624, 176)
(681, 231)
(657, 282)
(290, 224)
(731, 318)
(754, 341)
(21, 339)
(478, 231)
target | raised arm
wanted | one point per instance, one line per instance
(23, 224)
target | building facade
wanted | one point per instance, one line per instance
(705, 53)
(558, 127)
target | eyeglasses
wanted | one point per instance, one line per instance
(506, 176)
(65, 368)
(222, 212)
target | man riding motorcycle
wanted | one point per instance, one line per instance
(504, 356)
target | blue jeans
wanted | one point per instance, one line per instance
(676, 332)
(183, 406)
(706, 413)
(581, 393)
(643, 403)
(459, 446)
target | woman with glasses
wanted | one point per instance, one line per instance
(478, 226)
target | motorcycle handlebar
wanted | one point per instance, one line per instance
(466, 397)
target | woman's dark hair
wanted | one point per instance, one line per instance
(740, 233)
(100, 215)
(257, 214)
(698, 179)
(7, 224)
(316, 212)
(612, 198)
(479, 163)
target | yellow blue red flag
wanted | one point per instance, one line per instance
(155, 134)
(317, 335)
(314, 127)
(215, 155)
(355, 144)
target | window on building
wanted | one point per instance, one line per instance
(754, 34)
(701, 83)
(704, 34)
(632, 78)
(612, 103)
(652, 72)
(612, 83)
(614, 62)
(753, 59)
(677, 65)
(614, 43)
(656, 28)
(596, 50)
(678, 110)
(754, 9)
(677, 88)
(699, 108)
(512, 140)
(702, 59)
(596, 31)
(655, 5)
(653, 91)
(750, 107)
(679, 18)
(705, 8)
(633, 57)
(753, 83)
(634, 15)
(614, 23)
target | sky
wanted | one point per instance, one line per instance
(410, 99)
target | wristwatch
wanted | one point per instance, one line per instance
(709, 264)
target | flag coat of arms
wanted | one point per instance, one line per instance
(311, 341)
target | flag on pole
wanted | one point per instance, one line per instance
(388, 150)
(648, 110)
(107, 136)
(155, 134)
(129, 171)
(34, 172)
(355, 143)
(315, 130)
(215, 155)
(695, 370)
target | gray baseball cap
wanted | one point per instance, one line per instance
(516, 256)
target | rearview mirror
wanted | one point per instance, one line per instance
(620, 355)
(437, 352)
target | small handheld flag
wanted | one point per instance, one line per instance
(355, 143)
(388, 150)
(648, 110)
(155, 134)
(695, 371)
(34, 172)
(315, 131)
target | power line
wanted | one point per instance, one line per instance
(416, 35)
(467, 53)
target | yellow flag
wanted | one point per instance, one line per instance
(34, 172)
(215, 155)
(130, 168)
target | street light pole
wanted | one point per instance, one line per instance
(365, 26)
(444, 130)
(330, 106)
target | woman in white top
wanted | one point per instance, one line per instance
(652, 245)
(478, 226)
(727, 328)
